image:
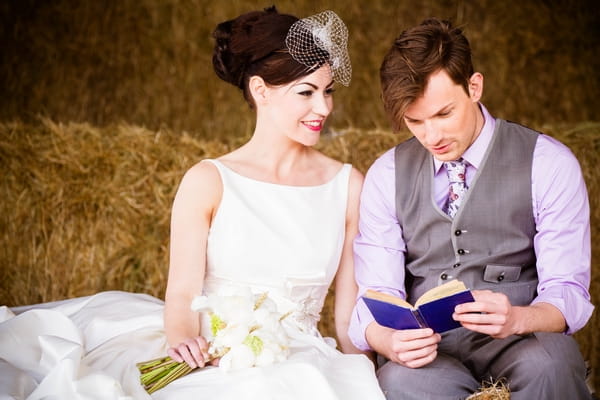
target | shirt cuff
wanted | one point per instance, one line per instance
(361, 318)
(575, 307)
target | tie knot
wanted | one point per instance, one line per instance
(456, 170)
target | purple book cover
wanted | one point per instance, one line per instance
(436, 314)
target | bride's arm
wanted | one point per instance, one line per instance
(196, 201)
(345, 284)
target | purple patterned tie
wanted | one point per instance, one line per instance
(458, 187)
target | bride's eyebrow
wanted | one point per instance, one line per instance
(315, 87)
(307, 83)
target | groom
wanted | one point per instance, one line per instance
(470, 197)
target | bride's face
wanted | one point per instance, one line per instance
(299, 109)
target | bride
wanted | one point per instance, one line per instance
(274, 216)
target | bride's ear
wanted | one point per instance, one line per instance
(258, 89)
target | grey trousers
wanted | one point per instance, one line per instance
(541, 366)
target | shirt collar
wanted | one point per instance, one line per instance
(475, 152)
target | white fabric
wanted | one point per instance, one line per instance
(283, 239)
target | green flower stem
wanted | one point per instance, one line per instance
(179, 370)
(156, 367)
(156, 374)
(150, 365)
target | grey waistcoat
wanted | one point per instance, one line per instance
(489, 243)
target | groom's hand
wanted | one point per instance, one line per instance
(412, 348)
(491, 313)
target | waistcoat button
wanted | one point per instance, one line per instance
(457, 232)
(461, 251)
(456, 265)
(444, 277)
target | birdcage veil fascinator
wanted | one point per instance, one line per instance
(319, 39)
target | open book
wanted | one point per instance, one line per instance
(432, 310)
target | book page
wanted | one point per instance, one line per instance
(445, 290)
(387, 298)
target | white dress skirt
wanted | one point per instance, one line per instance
(283, 240)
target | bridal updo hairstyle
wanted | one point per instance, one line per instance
(254, 44)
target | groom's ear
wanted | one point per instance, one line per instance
(476, 86)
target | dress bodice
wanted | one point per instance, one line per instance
(285, 240)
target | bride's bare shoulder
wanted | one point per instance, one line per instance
(203, 171)
(201, 182)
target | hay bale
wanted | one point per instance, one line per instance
(87, 209)
(149, 62)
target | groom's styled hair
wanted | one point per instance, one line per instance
(415, 55)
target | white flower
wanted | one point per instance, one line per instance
(231, 335)
(247, 329)
(266, 357)
(238, 357)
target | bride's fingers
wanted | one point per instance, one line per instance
(198, 348)
(193, 351)
(190, 353)
(185, 353)
(203, 346)
(174, 354)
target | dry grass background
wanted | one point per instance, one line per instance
(103, 105)
(147, 62)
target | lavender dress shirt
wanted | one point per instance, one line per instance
(562, 242)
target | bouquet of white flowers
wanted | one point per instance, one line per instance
(246, 332)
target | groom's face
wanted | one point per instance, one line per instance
(446, 119)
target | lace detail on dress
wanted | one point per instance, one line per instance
(309, 301)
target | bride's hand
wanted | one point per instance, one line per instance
(194, 351)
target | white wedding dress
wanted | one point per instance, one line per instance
(285, 240)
